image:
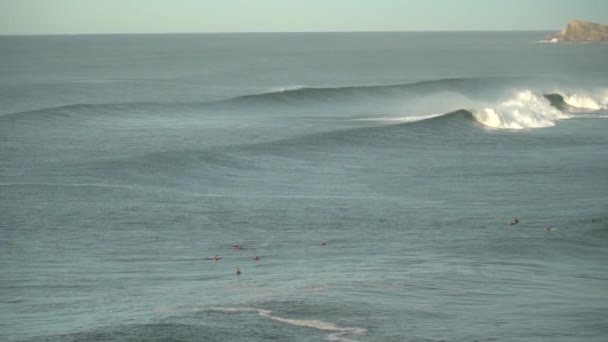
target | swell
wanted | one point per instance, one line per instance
(100, 110)
(289, 95)
(251, 156)
(455, 127)
(302, 93)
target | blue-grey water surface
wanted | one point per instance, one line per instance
(128, 161)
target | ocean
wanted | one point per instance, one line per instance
(377, 176)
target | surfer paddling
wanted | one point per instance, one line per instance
(514, 222)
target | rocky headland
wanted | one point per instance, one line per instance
(581, 31)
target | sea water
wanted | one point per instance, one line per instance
(128, 161)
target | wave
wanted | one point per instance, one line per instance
(365, 92)
(287, 95)
(499, 103)
(475, 89)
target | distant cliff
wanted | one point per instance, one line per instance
(581, 31)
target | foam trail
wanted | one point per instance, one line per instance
(525, 110)
(337, 331)
(312, 323)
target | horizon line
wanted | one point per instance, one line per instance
(262, 32)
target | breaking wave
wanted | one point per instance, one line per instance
(525, 110)
(585, 102)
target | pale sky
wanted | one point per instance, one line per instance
(159, 16)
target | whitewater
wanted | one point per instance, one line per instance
(371, 180)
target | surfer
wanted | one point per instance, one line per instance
(238, 271)
(514, 222)
(216, 258)
(256, 258)
(323, 243)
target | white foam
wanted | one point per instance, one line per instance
(236, 310)
(412, 118)
(525, 110)
(584, 102)
(287, 88)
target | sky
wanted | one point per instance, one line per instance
(169, 16)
